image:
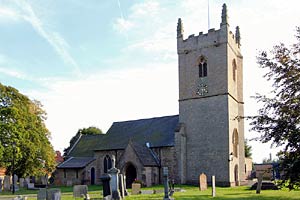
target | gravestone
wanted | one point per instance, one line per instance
(213, 184)
(42, 194)
(80, 191)
(114, 180)
(121, 186)
(166, 184)
(22, 181)
(27, 180)
(125, 186)
(6, 183)
(44, 180)
(53, 194)
(15, 183)
(105, 178)
(1, 185)
(30, 186)
(135, 188)
(202, 182)
(259, 183)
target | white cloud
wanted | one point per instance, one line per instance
(122, 25)
(102, 98)
(13, 73)
(7, 13)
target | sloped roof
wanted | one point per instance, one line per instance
(86, 145)
(146, 155)
(157, 131)
(76, 162)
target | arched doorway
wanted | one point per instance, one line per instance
(92, 176)
(236, 175)
(130, 174)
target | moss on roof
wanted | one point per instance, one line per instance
(159, 132)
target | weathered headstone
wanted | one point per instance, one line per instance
(135, 188)
(121, 186)
(114, 180)
(259, 183)
(42, 194)
(80, 191)
(213, 184)
(21, 181)
(105, 178)
(53, 194)
(6, 183)
(202, 182)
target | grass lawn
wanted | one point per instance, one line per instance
(190, 193)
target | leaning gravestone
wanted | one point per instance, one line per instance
(203, 182)
(6, 183)
(53, 194)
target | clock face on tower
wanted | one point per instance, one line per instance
(202, 88)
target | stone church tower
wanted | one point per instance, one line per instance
(210, 138)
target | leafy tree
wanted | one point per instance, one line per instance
(22, 124)
(248, 150)
(278, 120)
(92, 130)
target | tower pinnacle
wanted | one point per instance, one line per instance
(238, 36)
(179, 28)
(224, 15)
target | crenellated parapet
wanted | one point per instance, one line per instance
(211, 38)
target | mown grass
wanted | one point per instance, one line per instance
(190, 193)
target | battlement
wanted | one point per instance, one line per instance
(212, 38)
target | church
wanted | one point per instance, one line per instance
(206, 137)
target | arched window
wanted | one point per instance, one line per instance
(234, 69)
(107, 163)
(235, 142)
(202, 67)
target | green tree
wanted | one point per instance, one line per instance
(248, 150)
(278, 120)
(22, 124)
(92, 130)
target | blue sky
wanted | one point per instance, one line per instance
(94, 62)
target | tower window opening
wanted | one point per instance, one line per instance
(203, 69)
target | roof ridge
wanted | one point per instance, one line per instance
(151, 118)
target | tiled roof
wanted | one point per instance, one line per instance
(76, 162)
(158, 131)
